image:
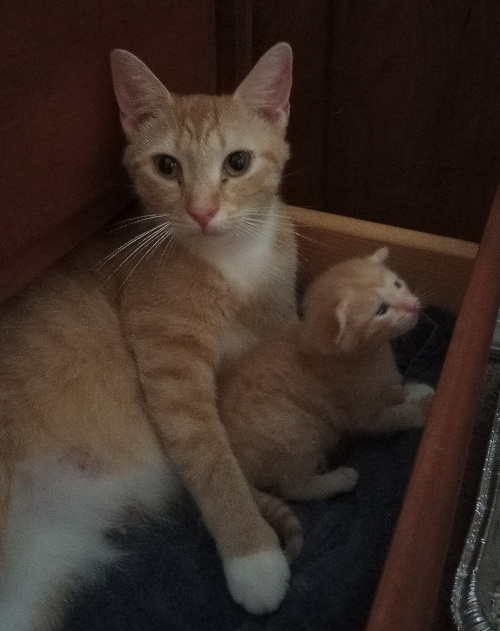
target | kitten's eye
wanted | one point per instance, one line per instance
(168, 166)
(237, 163)
(398, 284)
(382, 310)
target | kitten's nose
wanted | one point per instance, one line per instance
(202, 214)
(411, 305)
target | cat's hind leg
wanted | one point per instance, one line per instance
(319, 487)
(60, 511)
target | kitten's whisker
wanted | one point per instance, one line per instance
(424, 296)
(292, 173)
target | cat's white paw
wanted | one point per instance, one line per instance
(417, 391)
(258, 581)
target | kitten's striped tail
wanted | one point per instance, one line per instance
(283, 520)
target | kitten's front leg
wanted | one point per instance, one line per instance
(410, 414)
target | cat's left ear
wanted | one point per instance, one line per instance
(266, 88)
(380, 255)
(139, 93)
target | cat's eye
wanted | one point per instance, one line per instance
(382, 310)
(237, 163)
(168, 166)
(398, 284)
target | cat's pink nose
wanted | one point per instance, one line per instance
(202, 214)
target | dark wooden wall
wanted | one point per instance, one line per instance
(395, 105)
(395, 111)
(60, 137)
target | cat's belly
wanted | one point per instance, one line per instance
(75, 487)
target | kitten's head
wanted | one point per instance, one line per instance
(207, 164)
(357, 305)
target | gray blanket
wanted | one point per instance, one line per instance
(171, 578)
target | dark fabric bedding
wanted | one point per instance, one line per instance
(171, 578)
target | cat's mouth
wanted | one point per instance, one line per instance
(212, 228)
(208, 222)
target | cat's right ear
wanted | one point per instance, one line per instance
(139, 93)
(266, 89)
(380, 255)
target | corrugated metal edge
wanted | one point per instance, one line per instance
(468, 611)
(495, 345)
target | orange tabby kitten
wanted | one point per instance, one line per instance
(109, 362)
(286, 402)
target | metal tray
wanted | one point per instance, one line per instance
(475, 600)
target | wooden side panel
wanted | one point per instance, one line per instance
(395, 105)
(234, 36)
(408, 590)
(305, 27)
(436, 268)
(414, 136)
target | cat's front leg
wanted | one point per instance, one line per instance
(256, 568)
(180, 394)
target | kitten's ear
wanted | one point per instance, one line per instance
(138, 92)
(322, 329)
(266, 88)
(380, 255)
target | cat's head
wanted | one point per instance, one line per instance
(207, 164)
(357, 305)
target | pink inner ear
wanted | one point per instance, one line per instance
(380, 255)
(266, 89)
(138, 92)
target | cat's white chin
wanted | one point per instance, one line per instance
(210, 230)
(259, 581)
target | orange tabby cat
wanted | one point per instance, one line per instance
(286, 402)
(109, 362)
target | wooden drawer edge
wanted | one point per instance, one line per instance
(408, 589)
(437, 268)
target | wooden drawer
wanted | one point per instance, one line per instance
(462, 276)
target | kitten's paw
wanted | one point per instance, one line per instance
(258, 581)
(347, 479)
(417, 391)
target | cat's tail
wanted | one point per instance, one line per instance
(283, 520)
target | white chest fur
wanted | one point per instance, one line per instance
(243, 258)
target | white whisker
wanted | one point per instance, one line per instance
(125, 223)
(153, 243)
(128, 244)
(140, 242)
